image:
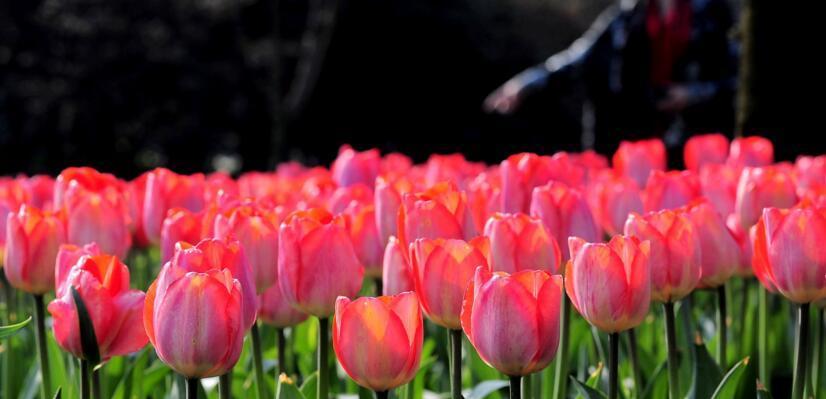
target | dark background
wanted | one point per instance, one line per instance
(126, 85)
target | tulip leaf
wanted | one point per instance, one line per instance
(58, 394)
(734, 381)
(286, 389)
(88, 340)
(485, 388)
(706, 373)
(7, 331)
(658, 385)
(762, 393)
(586, 391)
(310, 387)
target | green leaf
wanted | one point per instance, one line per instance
(594, 378)
(658, 387)
(732, 381)
(310, 387)
(287, 389)
(7, 331)
(57, 395)
(88, 340)
(485, 388)
(586, 391)
(762, 393)
(706, 373)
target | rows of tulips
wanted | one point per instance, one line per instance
(222, 269)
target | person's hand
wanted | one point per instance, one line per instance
(506, 98)
(676, 99)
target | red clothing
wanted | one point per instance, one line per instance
(669, 35)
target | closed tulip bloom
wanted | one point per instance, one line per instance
(136, 193)
(788, 253)
(718, 184)
(12, 196)
(33, 238)
(39, 190)
(675, 252)
(743, 238)
(441, 271)
(115, 310)
(669, 190)
(256, 228)
(705, 149)
(195, 320)
(810, 172)
(378, 341)
(343, 197)
(720, 253)
(520, 173)
(352, 167)
(179, 225)
(67, 257)
(85, 177)
(751, 151)
(100, 216)
(276, 311)
(610, 284)
(439, 212)
(612, 198)
(317, 262)
(636, 159)
(760, 188)
(387, 200)
(365, 236)
(396, 275)
(513, 320)
(565, 213)
(519, 242)
(166, 190)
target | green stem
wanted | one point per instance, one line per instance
(721, 327)
(224, 385)
(42, 350)
(635, 363)
(561, 375)
(323, 365)
(191, 388)
(526, 387)
(613, 365)
(515, 387)
(762, 337)
(800, 350)
(381, 394)
(8, 295)
(282, 351)
(96, 392)
(671, 342)
(816, 364)
(456, 364)
(258, 361)
(84, 379)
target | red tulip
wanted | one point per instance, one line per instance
(351, 167)
(675, 252)
(396, 274)
(718, 183)
(179, 225)
(751, 151)
(636, 159)
(115, 310)
(195, 320)
(441, 271)
(276, 311)
(33, 238)
(439, 212)
(669, 190)
(610, 284)
(100, 216)
(317, 262)
(612, 198)
(788, 253)
(378, 341)
(67, 257)
(519, 242)
(256, 228)
(513, 320)
(759, 188)
(166, 190)
(564, 212)
(365, 236)
(720, 253)
(705, 149)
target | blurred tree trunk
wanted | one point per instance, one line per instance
(748, 99)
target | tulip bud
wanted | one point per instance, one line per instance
(513, 320)
(276, 311)
(751, 151)
(115, 310)
(720, 253)
(351, 167)
(166, 190)
(705, 149)
(610, 284)
(100, 216)
(439, 212)
(317, 262)
(760, 188)
(612, 198)
(810, 172)
(39, 191)
(180, 225)
(388, 199)
(378, 341)
(669, 190)
(33, 238)
(396, 274)
(256, 228)
(365, 237)
(12, 197)
(636, 159)
(718, 183)
(564, 212)
(519, 242)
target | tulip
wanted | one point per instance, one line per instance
(179, 225)
(396, 274)
(39, 190)
(100, 216)
(388, 200)
(564, 212)
(483, 198)
(513, 320)
(85, 177)
(439, 212)
(366, 241)
(395, 162)
(520, 174)
(115, 310)
(67, 257)
(12, 196)
(705, 149)
(669, 190)
(759, 188)
(166, 190)
(613, 198)
(519, 242)
(33, 238)
(351, 167)
(718, 184)
(751, 151)
(720, 252)
(343, 197)
(810, 172)
(378, 341)
(136, 190)
(256, 228)
(636, 159)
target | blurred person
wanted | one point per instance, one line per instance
(648, 68)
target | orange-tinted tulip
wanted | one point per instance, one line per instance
(720, 253)
(441, 271)
(166, 190)
(439, 212)
(179, 225)
(565, 213)
(396, 275)
(513, 320)
(519, 242)
(751, 151)
(33, 238)
(256, 228)
(788, 253)
(705, 149)
(636, 159)
(100, 216)
(760, 188)
(612, 198)
(378, 341)
(276, 311)
(317, 262)
(675, 252)
(352, 167)
(610, 284)
(85, 177)
(669, 190)
(115, 310)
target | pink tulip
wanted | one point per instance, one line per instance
(100, 216)
(396, 274)
(810, 172)
(669, 190)
(180, 225)
(439, 212)
(636, 159)
(365, 236)
(166, 190)
(67, 257)
(85, 177)
(720, 253)
(759, 188)
(33, 238)
(718, 183)
(351, 167)
(612, 198)
(751, 151)
(705, 149)
(519, 242)
(256, 228)
(343, 197)
(388, 199)
(276, 311)
(12, 196)
(136, 190)
(39, 190)
(521, 173)
(564, 212)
